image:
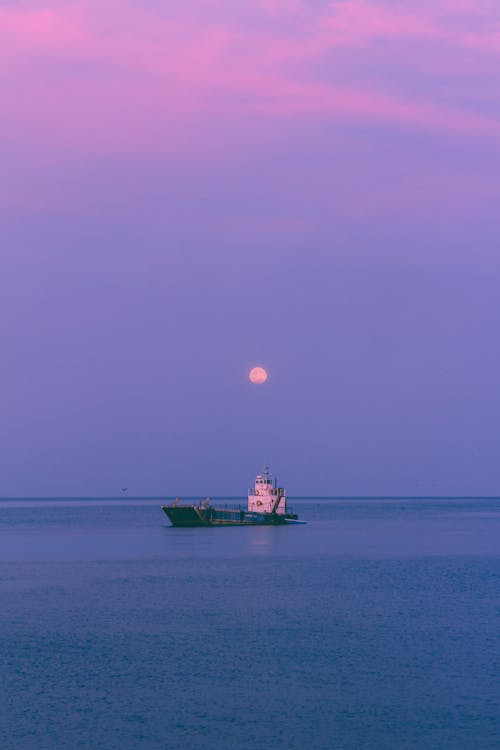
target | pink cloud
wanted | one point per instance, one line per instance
(94, 76)
(357, 21)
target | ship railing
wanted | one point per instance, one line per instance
(229, 507)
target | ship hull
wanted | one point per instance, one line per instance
(195, 516)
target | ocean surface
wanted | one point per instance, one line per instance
(376, 625)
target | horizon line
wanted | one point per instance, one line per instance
(239, 497)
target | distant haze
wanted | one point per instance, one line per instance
(189, 189)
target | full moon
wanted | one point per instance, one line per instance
(258, 375)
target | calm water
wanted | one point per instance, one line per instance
(374, 626)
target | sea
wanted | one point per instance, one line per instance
(375, 625)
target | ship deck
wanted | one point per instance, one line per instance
(193, 515)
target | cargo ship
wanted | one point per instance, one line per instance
(267, 506)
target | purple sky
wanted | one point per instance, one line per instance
(189, 189)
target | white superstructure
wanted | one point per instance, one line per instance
(266, 497)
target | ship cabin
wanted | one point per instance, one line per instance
(265, 496)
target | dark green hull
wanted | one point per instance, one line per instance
(193, 515)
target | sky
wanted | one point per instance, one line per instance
(193, 188)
